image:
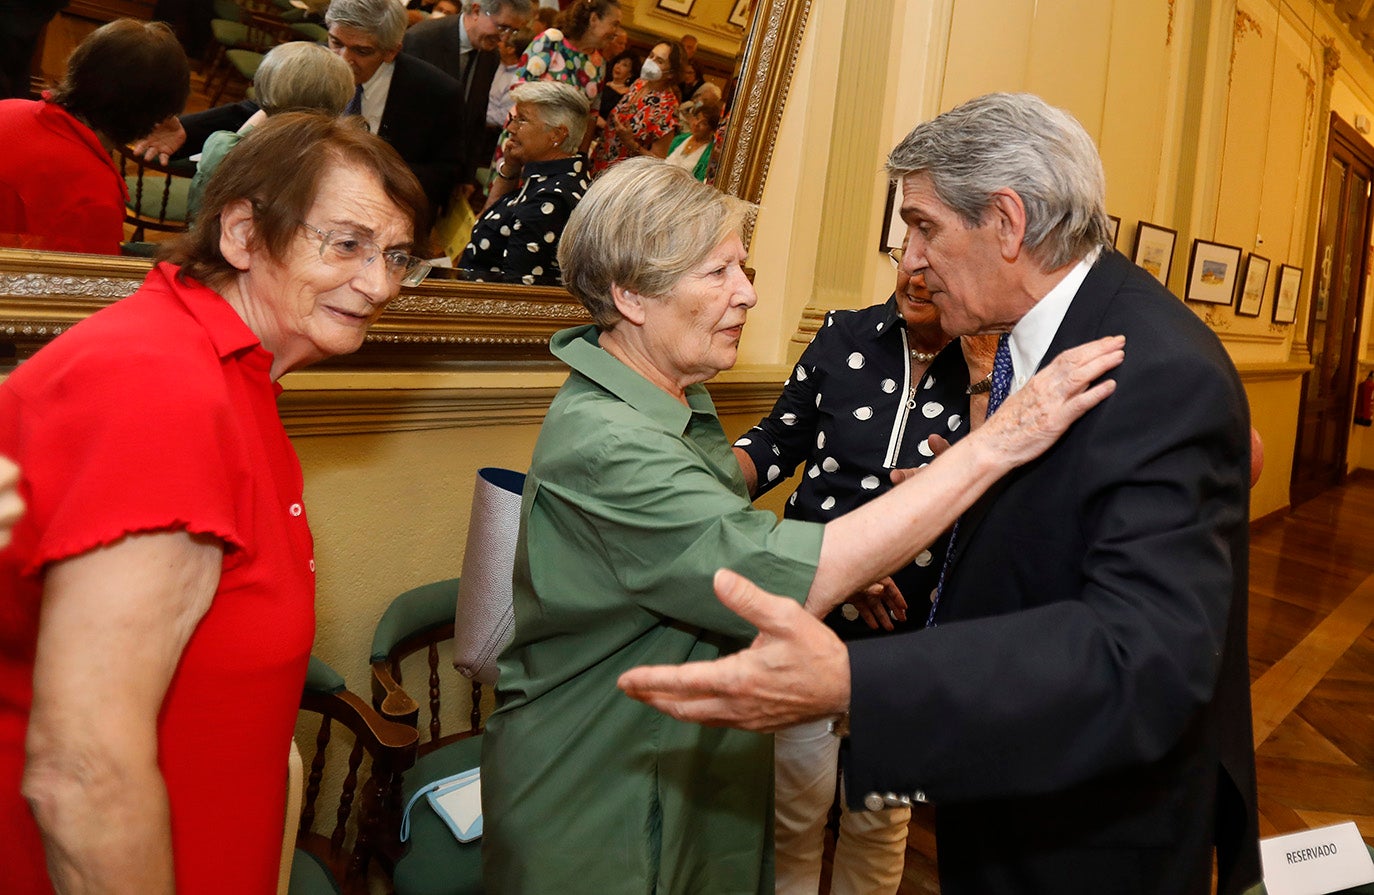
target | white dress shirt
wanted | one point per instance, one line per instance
(1031, 336)
(375, 90)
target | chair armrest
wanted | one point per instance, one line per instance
(418, 617)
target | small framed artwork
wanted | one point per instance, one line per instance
(1113, 228)
(1286, 293)
(679, 7)
(1213, 271)
(739, 13)
(1154, 250)
(1252, 286)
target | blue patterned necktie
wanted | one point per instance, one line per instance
(1001, 387)
(355, 105)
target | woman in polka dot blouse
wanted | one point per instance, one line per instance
(538, 183)
(865, 398)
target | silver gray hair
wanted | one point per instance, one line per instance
(383, 19)
(560, 105)
(523, 8)
(301, 76)
(642, 226)
(1014, 141)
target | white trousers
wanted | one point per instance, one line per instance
(872, 844)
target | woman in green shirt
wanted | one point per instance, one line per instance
(632, 502)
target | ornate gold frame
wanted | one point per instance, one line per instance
(43, 293)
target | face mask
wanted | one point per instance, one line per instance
(437, 14)
(650, 71)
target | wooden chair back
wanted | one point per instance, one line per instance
(418, 620)
(157, 193)
(365, 756)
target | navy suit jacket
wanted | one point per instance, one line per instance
(1080, 716)
(422, 121)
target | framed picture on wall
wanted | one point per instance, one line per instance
(1286, 293)
(1252, 286)
(1154, 250)
(1213, 272)
(1113, 228)
(739, 13)
(678, 7)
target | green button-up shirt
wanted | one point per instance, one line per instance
(632, 502)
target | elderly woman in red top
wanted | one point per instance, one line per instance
(58, 188)
(156, 604)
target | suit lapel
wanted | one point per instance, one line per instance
(1081, 323)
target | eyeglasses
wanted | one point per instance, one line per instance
(504, 29)
(344, 248)
(895, 256)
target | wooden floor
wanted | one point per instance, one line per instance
(1311, 672)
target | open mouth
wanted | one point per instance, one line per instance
(348, 316)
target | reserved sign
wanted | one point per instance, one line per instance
(1316, 862)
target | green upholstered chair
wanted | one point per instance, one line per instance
(157, 193)
(432, 862)
(364, 755)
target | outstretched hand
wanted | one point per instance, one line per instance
(795, 670)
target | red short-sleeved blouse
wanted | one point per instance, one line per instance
(59, 190)
(158, 413)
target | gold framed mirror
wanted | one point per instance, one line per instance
(440, 321)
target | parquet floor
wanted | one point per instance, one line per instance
(1311, 672)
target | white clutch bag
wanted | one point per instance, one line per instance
(485, 619)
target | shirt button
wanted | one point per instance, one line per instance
(296, 509)
(873, 802)
(919, 796)
(312, 565)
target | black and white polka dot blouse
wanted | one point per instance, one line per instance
(848, 416)
(516, 240)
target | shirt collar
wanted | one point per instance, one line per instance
(574, 164)
(579, 347)
(226, 329)
(1031, 337)
(891, 316)
(375, 90)
(464, 42)
(56, 118)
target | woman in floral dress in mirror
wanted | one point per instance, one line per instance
(645, 121)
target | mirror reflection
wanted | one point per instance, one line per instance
(657, 77)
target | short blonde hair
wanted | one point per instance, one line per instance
(303, 77)
(560, 105)
(642, 226)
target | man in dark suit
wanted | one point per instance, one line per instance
(406, 101)
(1078, 708)
(465, 48)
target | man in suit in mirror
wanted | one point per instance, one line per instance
(1078, 706)
(466, 48)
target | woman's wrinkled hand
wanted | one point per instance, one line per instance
(1034, 417)
(166, 137)
(880, 603)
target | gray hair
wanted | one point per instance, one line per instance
(560, 105)
(642, 226)
(383, 19)
(301, 76)
(523, 8)
(1014, 141)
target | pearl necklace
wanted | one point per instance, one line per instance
(923, 357)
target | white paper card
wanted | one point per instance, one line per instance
(1316, 862)
(461, 807)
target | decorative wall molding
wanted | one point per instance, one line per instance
(1276, 371)
(320, 410)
